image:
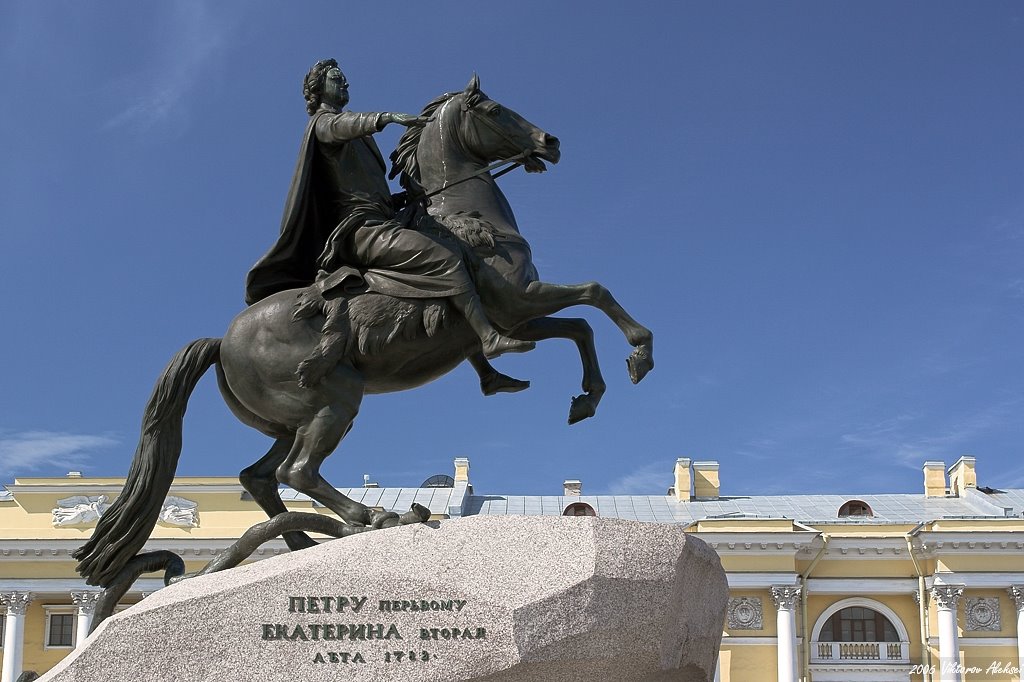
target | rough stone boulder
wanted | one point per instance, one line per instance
(481, 598)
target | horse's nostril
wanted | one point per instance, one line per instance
(550, 141)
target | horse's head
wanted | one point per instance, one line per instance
(470, 125)
(491, 131)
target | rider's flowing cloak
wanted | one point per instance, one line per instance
(292, 261)
(402, 264)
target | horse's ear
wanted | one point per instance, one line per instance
(471, 95)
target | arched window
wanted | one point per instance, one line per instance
(858, 624)
(855, 508)
(579, 509)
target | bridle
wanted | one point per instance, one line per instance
(514, 161)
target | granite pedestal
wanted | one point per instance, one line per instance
(481, 598)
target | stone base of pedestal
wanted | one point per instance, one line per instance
(500, 599)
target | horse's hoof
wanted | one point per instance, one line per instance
(639, 363)
(383, 519)
(297, 540)
(582, 407)
(386, 519)
(178, 578)
(416, 514)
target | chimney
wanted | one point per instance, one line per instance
(705, 480)
(461, 489)
(462, 470)
(367, 483)
(572, 488)
(934, 479)
(962, 475)
(681, 489)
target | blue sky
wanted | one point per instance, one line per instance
(817, 207)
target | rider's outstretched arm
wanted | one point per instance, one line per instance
(332, 128)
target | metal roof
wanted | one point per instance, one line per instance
(893, 508)
(437, 500)
(887, 508)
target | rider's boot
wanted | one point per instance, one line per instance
(493, 344)
(491, 380)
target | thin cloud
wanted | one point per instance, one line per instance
(34, 450)
(193, 38)
(1015, 288)
(496, 445)
(1010, 227)
(898, 439)
(650, 479)
(1009, 236)
(759, 449)
(1013, 478)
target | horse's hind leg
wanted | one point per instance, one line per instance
(579, 331)
(260, 481)
(540, 299)
(317, 439)
(314, 441)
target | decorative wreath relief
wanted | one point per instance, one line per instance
(982, 613)
(744, 613)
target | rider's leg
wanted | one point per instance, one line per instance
(491, 380)
(493, 343)
(388, 246)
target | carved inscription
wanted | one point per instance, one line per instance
(356, 637)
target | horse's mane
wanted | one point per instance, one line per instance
(403, 159)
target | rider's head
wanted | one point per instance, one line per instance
(325, 83)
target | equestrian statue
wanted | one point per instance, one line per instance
(364, 292)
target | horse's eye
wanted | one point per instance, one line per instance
(496, 111)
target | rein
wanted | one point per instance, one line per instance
(515, 162)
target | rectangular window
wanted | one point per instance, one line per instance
(3, 624)
(60, 631)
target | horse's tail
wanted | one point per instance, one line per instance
(125, 527)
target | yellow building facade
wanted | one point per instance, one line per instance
(924, 586)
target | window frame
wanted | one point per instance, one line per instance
(873, 604)
(863, 510)
(60, 610)
(574, 507)
(879, 621)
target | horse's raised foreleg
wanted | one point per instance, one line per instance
(578, 331)
(260, 480)
(540, 299)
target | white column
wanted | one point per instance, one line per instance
(785, 598)
(946, 598)
(1017, 594)
(86, 603)
(14, 633)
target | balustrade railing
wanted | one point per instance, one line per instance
(866, 652)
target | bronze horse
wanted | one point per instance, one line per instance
(389, 344)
